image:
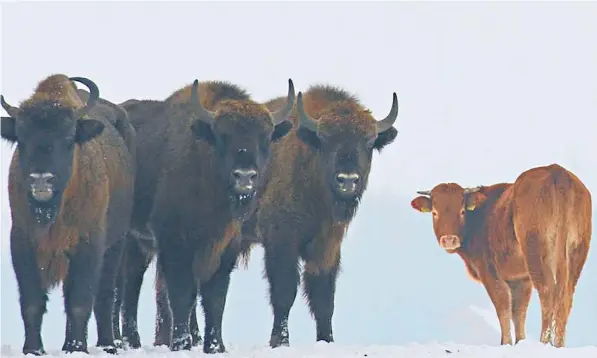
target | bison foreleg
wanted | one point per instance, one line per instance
(176, 262)
(135, 264)
(79, 290)
(116, 309)
(32, 296)
(281, 267)
(320, 288)
(213, 299)
(104, 300)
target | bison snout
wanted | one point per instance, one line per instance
(347, 182)
(244, 180)
(41, 186)
(449, 242)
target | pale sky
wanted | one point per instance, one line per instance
(486, 90)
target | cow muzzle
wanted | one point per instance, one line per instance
(449, 242)
(244, 181)
(41, 186)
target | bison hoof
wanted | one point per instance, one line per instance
(132, 342)
(75, 346)
(109, 349)
(36, 352)
(119, 344)
(184, 342)
(214, 347)
(279, 340)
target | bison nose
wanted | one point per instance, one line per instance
(347, 182)
(42, 186)
(449, 242)
(244, 180)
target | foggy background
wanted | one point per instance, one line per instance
(486, 91)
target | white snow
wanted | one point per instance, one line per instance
(323, 350)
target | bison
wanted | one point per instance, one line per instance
(71, 184)
(206, 151)
(317, 176)
(513, 236)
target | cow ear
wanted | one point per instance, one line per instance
(309, 137)
(9, 132)
(203, 131)
(384, 138)
(281, 130)
(88, 129)
(421, 203)
(474, 200)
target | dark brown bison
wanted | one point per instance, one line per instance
(70, 191)
(316, 178)
(534, 232)
(206, 150)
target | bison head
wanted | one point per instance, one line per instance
(46, 133)
(241, 132)
(449, 205)
(344, 137)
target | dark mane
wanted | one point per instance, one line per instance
(225, 90)
(332, 93)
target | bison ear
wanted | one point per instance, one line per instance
(203, 131)
(474, 200)
(9, 132)
(384, 138)
(281, 130)
(309, 137)
(421, 203)
(87, 129)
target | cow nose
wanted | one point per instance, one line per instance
(42, 186)
(244, 179)
(449, 242)
(347, 182)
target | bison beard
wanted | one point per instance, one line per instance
(44, 213)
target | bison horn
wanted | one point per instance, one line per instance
(282, 114)
(387, 122)
(472, 190)
(425, 192)
(12, 111)
(93, 94)
(304, 119)
(203, 113)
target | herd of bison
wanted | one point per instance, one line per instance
(97, 189)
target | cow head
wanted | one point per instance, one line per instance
(241, 132)
(344, 137)
(46, 133)
(449, 205)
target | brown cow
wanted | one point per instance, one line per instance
(316, 179)
(70, 193)
(206, 151)
(534, 232)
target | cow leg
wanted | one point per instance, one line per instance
(104, 298)
(213, 299)
(521, 291)
(320, 288)
(281, 268)
(136, 263)
(79, 290)
(116, 309)
(176, 260)
(32, 296)
(499, 293)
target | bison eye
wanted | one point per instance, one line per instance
(462, 212)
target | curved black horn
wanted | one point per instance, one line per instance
(93, 94)
(424, 192)
(387, 122)
(203, 113)
(12, 111)
(282, 115)
(304, 119)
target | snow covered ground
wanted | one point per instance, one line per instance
(526, 349)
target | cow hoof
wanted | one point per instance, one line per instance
(185, 342)
(36, 352)
(74, 346)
